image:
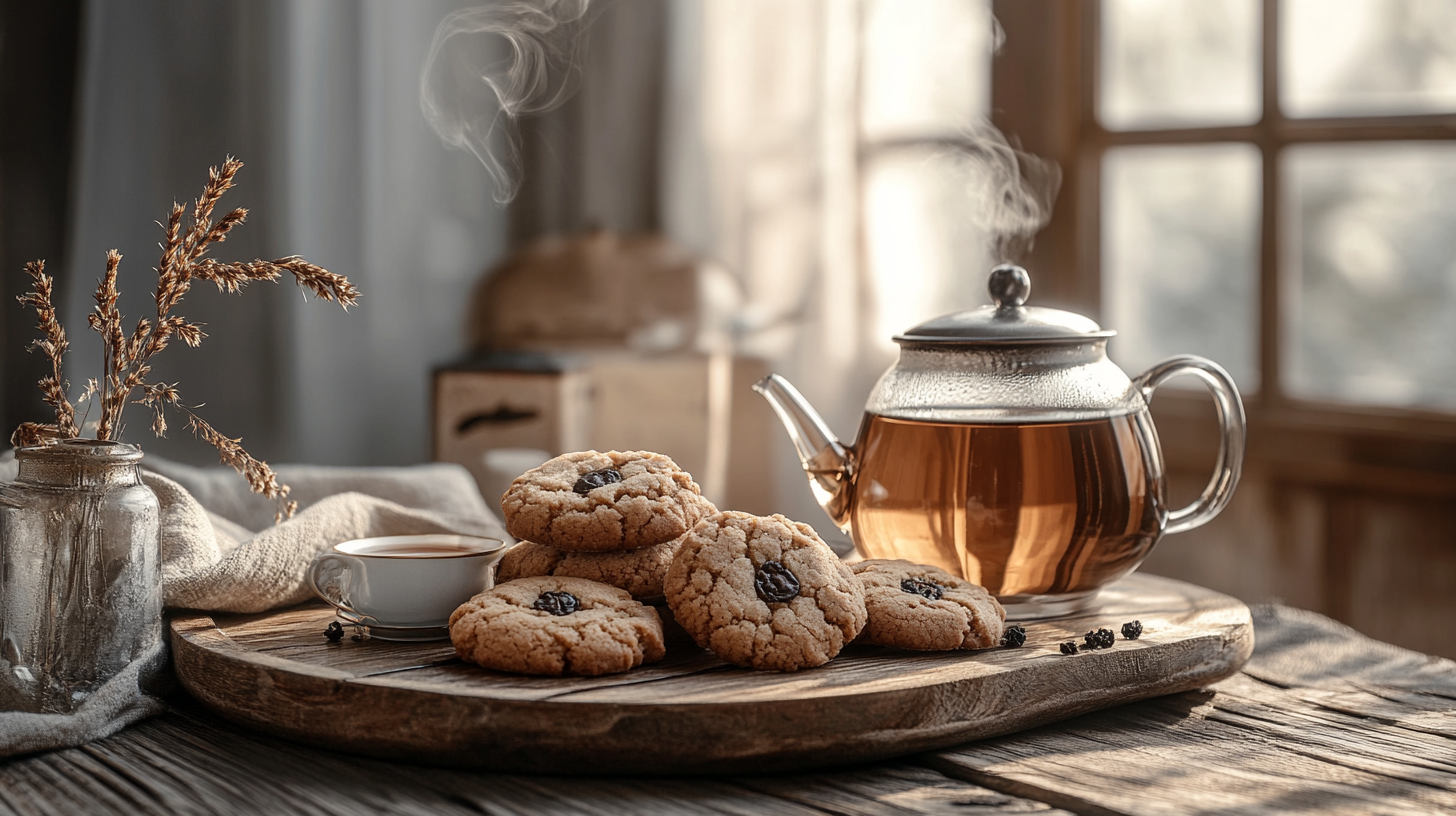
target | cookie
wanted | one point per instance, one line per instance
(598, 502)
(552, 626)
(912, 606)
(764, 592)
(640, 572)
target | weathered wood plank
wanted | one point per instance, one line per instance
(1417, 712)
(466, 680)
(187, 762)
(1207, 752)
(32, 792)
(1311, 651)
(872, 669)
(1357, 741)
(893, 790)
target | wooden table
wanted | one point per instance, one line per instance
(1322, 720)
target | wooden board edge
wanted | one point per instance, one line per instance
(332, 710)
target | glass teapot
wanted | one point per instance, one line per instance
(1005, 447)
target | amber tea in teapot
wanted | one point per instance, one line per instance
(1006, 447)
(1035, 509)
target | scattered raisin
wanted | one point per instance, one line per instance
(775, 584)
(1132, 631)
(594, 480)
(335, 632)
(924, 587)
(1015, 636)
(1069, 647)
(557, 603)
(1100, 639)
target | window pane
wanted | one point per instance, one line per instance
(1371, 248)
(1351, 57)
(927, 255)
(925, 73)
(1172, 63)
(1180, 255)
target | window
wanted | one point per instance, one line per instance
(1274, 193)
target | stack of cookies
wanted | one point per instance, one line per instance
(598, 532)
(602, 533)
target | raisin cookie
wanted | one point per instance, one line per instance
(640, 572)
(552, 626)
(598, 502)
(912, 606)
(764, 592)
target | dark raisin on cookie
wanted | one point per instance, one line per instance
(1015, 637)
(557, 603)
(596, 479)
(923, 587)
(775, 584)
(1133, 630)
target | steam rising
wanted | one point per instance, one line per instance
(474, 104)
(1014, 191)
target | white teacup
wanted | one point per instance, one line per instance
(404, 587)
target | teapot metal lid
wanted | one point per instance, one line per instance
(1008, 321)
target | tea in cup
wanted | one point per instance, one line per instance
(404, 587)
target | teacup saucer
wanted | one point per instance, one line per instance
(403, 634)
(409, 634)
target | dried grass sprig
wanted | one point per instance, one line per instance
(219, 181)
(30, 434)
(230, 277)
(127, 358)
(53, 342)
(260, 477)
(105, 319)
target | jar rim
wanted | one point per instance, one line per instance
(77, 448)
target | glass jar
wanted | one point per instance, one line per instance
(80, 573)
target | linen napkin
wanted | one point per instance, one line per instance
(222, 552)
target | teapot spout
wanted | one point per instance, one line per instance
(827, 462)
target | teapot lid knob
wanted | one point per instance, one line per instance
(1009, 285)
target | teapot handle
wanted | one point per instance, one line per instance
(1231, 441)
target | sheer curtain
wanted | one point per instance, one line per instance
(800, 145)
(805, 150)
(320, 100)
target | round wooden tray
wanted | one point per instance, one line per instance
(692, 713)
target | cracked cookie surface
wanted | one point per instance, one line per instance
(640, 572)
(530, 626)
(599, 502)
(913, 606)
(764, 592)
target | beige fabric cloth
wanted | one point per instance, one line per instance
(221, 551)
(212, 559)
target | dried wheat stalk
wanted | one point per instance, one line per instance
(53, 342)
(127, 358)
